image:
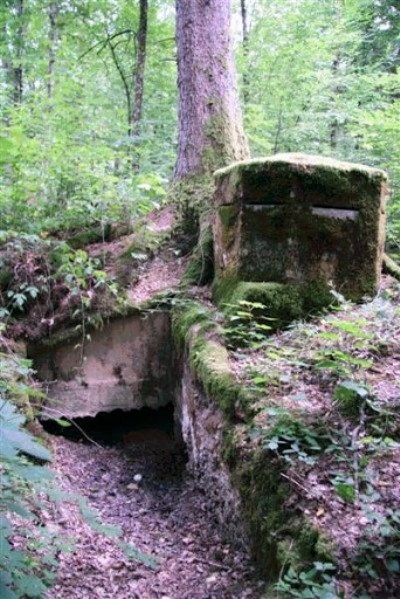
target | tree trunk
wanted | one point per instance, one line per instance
(245, 33)
(19, 43)
(336, 88)
(210, 122)
(139, 76)
(53, 11)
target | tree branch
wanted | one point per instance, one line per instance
(104, 43)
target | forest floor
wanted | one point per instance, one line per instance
(166, 517)
(325, 401)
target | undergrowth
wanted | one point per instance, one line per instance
(319, 411)
(45, 283)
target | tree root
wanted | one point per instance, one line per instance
(391, 267)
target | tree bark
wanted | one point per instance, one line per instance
(140, 63)
(245, 34)
(18, 86)
(53, 12)
(210, 122)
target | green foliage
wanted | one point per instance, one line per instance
(317, 410)
(315, 583)
(323, 78)
(293, 439)
(247, 325)
(25, 570)
(336, 358)
(73, 167)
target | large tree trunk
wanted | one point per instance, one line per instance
(210, 122)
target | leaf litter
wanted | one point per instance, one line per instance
(164, 514)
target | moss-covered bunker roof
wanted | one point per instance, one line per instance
(301, 161)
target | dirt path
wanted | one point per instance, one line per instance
(165, 515)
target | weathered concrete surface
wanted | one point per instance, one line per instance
(201, 425)
(293, 218)
(126, 365)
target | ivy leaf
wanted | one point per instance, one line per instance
(30, 585)
(23, 442)
(5, 591)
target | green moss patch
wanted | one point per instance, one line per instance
(269, 180)
(282, 303)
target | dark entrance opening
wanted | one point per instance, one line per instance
(118, 427)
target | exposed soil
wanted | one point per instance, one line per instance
(164, 272)
(166, 515)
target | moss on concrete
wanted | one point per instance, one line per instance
(280, 537)
(328, 169)
(293, 218)
(284, 303)
(209, 361)
(228, 218)
(196, 331)
(186, 315)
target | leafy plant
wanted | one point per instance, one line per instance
(315, 583)
(26, 571)
(294, 440)
(247, 324)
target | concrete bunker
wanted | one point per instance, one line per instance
(280, 223)
(300, 220)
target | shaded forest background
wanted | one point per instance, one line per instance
(317, 77)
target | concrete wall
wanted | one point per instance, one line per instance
(202, 424)
(126, 365)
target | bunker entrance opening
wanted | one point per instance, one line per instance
(119, 427)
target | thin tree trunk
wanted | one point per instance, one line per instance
(334, 126)
(18, 86)
(5, 64)
(53, 12)
(336, 90)
(138, 89)
(245, 33)
(210, 122)
(125, 83)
